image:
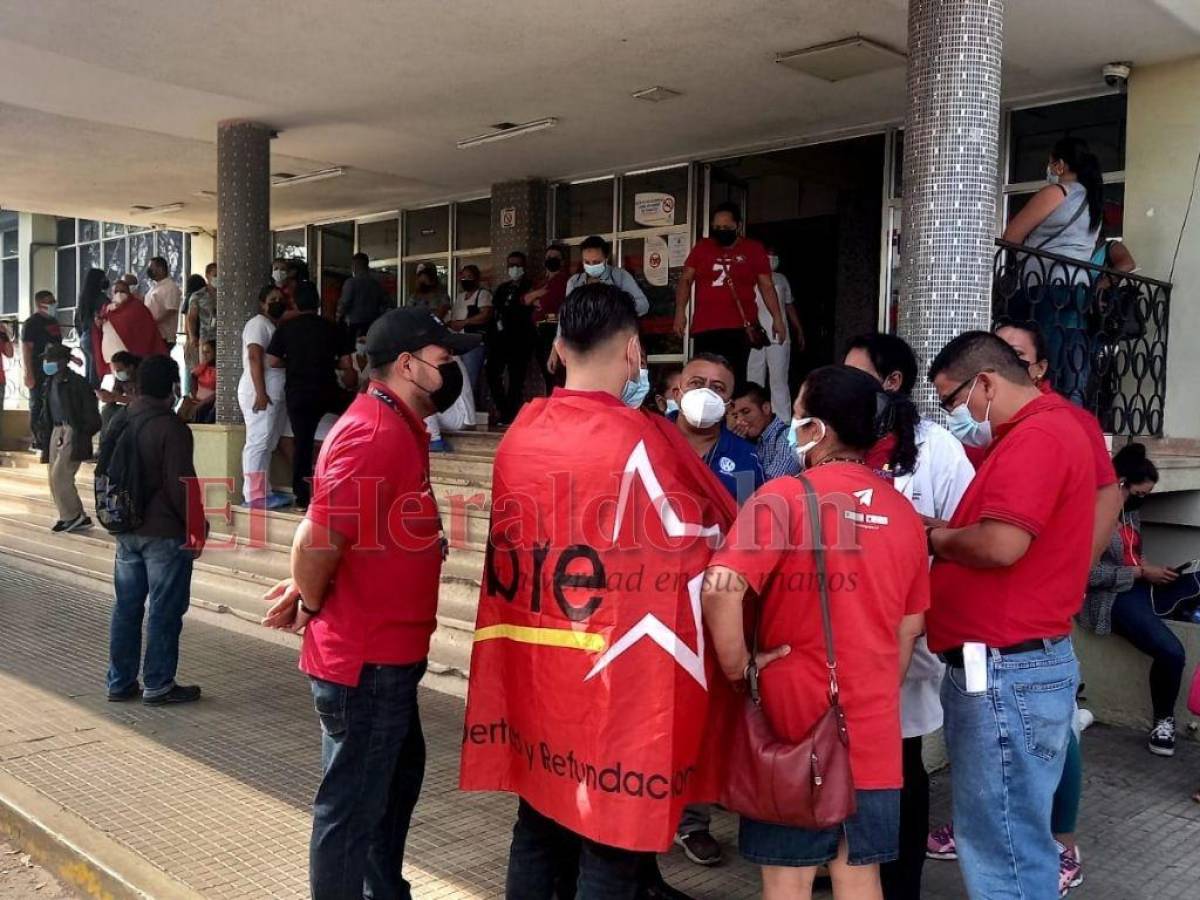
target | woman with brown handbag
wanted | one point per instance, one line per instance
(815, 766)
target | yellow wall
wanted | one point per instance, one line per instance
(1162, 149)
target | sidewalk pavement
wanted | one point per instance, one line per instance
(217, 795)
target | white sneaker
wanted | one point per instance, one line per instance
(1083, 719)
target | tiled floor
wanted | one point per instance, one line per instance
(218, 793)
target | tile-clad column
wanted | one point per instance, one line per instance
(519, 222)
(951, 148)
(243, 246)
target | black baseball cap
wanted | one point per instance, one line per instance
(408, 330)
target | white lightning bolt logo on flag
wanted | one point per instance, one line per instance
(650, 626)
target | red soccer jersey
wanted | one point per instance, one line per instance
(877, 573)
(716, 269)
(1037, 476)
(372, 488)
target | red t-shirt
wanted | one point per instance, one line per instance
(877, 573)
(372, 487)
(716, 267)
(556, 293)
(1101, 461)
(1035, 476)
(206, 376)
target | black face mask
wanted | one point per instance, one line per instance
(276, 309)
(468, 284)
(1134, 503)
(553, 263)
(724, 236)
(452, 384)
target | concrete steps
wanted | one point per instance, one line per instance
(249, 554)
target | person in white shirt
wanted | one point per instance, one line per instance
(471, 312)
(456, 418)
(260, 396)
(163, 300)
(934, 487)
(769, 366)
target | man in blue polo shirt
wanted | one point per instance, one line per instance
(703, 394)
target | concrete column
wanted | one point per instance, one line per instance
(951, 149)
(519, 222)
(243, 246)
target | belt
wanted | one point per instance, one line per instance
(954, 656)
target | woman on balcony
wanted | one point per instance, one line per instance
(1063, 218)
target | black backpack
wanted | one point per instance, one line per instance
(120, 504)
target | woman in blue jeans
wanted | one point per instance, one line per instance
(1123, 590)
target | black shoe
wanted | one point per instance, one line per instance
(1162, 737)
(181, 693)
(79, 523)
(58, 526)
(130, 693)
(700, 847)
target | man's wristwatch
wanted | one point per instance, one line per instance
(308, 610)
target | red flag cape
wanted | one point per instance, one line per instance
(593, 693)
(135, 325)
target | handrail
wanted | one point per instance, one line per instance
(1079, 263)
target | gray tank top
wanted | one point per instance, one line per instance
(1067, 231)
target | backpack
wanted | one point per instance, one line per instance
(120, 504)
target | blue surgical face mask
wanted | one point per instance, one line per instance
(595, 270)
(123, 375)
(50, 368)
(801, 451)
(964, 426)
(672, 406)
(634, 393)
(50, 308)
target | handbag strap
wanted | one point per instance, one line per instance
(736, 298)
(818, 547)
(1083, 204)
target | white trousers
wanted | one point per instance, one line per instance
(773, 361)
(458, 416)
(262, 435)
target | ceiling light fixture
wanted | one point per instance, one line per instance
(839, 60)
(506, 133)
(304, 178)
(155, 210)
(656, 94)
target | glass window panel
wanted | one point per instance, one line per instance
(388, 277)
(673, 182)
(473, 224)
(114, 259)
(10, 276)
(65, 285)
(337, 247)
(89, 230)
(583, 209)
(65, 232)
(90, 257)
(141, 248)
(427, 231)
(290, 244)
(1100, 121)
(170, 248)
(487, 277)
(113, 229)
(898, 167)
(8, 246)
(379, 240)
(1114, 210)
(656, 326)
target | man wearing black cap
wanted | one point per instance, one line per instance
(366, 562)
(71, 417)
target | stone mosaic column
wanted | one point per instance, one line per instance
(951, 151)
(243, 246)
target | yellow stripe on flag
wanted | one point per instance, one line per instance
(547, 637)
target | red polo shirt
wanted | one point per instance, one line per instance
(1038, 475)
(1101, 461)
(372, 487)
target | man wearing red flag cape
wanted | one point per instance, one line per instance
(593, 695)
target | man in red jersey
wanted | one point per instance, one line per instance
(1009, 573)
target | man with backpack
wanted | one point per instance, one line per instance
(146, 494)
(69, 418)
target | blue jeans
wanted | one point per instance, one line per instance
(159, 570)
(373, 756)
(1133, 618)
(549, 862)
(1007, 745)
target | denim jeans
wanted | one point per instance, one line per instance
(545, 859)
(373, 757)
(1007, 745)
(157, 569)
(1133, 618)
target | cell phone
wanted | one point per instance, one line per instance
(1188, 568)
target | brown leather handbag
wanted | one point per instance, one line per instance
(807, 784)
(756, 335)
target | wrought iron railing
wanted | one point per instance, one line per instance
(1105, 330)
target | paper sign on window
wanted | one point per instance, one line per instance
(654, 261)
(653, 208)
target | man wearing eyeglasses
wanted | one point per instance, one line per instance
(1009, 574)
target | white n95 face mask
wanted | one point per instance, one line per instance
(702, 407)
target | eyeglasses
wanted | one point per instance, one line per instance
(947, 402)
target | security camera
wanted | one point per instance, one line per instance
(1116, 74)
